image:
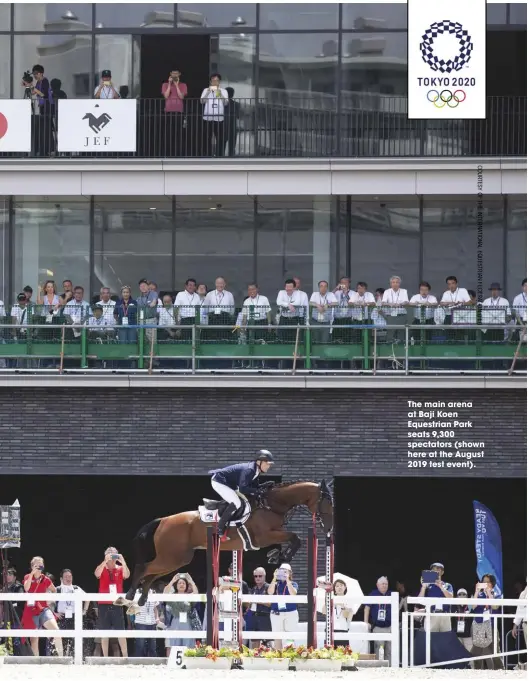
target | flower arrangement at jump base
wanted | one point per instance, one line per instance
(207, 657)
(327, 658)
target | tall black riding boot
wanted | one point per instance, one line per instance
(225, 518)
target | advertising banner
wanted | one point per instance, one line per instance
(446, 59)
(97, 125)
(488, 544)
(15, 125)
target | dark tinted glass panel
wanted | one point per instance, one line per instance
(5, 70)
(52, 17)
(192, 15)
(518, 13)
(516, 247)
(496, 13)
(305, 17)
(374, 16)
(144, 15)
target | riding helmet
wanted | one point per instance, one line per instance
(264, 455)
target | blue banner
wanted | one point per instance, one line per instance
(488, 544)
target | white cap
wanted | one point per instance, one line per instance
(285, 566)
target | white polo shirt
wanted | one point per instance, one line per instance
(218, 302)
(186, 304)
(167, 317)
(419, 301)
(94, 323)
(2, 309)
(395, 298)
(495, 310)
(361, 313)
(107, 92)
(20, 314)
(520, 306)
(342, 310)
(108, 310)
(261, 305)
(214, 106)
(326, 316)
(460, 295)
(297, 299)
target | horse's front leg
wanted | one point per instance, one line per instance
(286, 553)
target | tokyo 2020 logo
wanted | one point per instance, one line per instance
(446, 65)
(446, 98)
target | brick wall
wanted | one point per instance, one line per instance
(314, 434)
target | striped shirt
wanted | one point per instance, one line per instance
(147, 614)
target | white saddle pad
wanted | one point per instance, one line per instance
(207, 516)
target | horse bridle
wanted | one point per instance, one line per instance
(325, 495)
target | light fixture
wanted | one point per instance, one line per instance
(152, 208)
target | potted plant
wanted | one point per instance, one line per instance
(321, 659)
(207, 657)
(263, 658)
(3, 653)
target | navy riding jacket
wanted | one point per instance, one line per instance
(239, 476)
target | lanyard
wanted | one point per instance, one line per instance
(190, 300)
(219, 297)
(291, 298)
(495, 304)
(344, 298)
(254, 303)
(454, 300)
(125, 309)
(524, 298)
(324, 300)
(393, 296)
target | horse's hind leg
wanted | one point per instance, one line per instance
(134, 608)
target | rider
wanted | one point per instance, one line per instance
(241, 477)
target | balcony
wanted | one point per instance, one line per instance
(370, 126)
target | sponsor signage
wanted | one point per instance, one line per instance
(10, 526)
(446, 59)
(97, 125)
(15, 125)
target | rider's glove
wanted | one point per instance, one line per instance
(266, 485)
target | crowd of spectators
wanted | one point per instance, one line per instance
(475, 633)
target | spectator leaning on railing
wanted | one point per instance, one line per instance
(64, 610)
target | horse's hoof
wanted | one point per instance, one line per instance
(273, 556)
(120, 601)
(133, 609)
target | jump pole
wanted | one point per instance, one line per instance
(210, 557)
(329, 593)
(236, 603)
(312, 552)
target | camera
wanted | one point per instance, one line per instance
(27, 78)
(114, 556)
(281, 575)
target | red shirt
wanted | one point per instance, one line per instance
(38, 586)
(111, 578)
(173, 102)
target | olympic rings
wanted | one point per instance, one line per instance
(441, 99)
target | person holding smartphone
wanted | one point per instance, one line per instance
(437, 589)
(174, 92)
(38, 614)
(215, 100)
(283, 616)
(111, 573)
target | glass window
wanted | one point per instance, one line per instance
(450, 244)
(52, 241)
(4, 252)
(233, 57)
(516, 247)
(132, 240)
(518, 13)
(367, 16)
(192, 15)
(215, 237)
(5, 16)
(114, 52)
(290, 232)
(496, 13)
(305, 17)
(53, 17)
(141, 15)
(385, 242)
(5, 70)
(64, 57)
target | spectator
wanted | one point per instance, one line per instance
(64, 610)
(174, 92)
(38, 614)
(167, 319)
(107, 304)
(19, 316)
(13, 586)
(256, 311)
(100, 328)
(105, 89)
(41, 93)
(233, 115)
(342, 614)
(67, 289)
(184, 616)
(146, 619)
(462, 625)
(111, 573)
(153, 286)
(482, 629)
(521, 619)
(454, 300)
(126, 316)
(78, 310)
(147, 303)
(48, 298)
(187, 302)
(284, 617)
(202, 291)
(292, 311)
(495, 310)
(123, 91)
(28, 291)
(58, 93)
(439, 589)
(322, 303)
(219, 305)
(378, 616)
(394, 300)
(258, 614)
(304, 296)
(215, 100)
(519, 304)
(425, 305)
(361, 301)
(343, 312)
(403, 596)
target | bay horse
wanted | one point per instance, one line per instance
(167, 544)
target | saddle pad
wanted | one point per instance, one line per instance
(208, 517)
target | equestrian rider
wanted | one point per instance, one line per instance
(241, 477)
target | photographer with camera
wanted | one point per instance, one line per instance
(106, 89)
(111, 573)
(41, 93)
(283, 616)
(432, 586)
(38, 614)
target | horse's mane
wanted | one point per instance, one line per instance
(291, 483)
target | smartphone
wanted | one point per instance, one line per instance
(429, 576)
(281, 574)
(114, 556)
(483, 585)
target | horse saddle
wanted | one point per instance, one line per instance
(213, 509)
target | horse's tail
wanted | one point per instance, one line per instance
(144, 543)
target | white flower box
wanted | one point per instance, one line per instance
(266, 664)
(318, 665)
(205, 663)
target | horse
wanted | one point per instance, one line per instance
(167, 544)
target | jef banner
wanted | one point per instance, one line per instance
(97, 125)
(488, 544)
(446, 59)
(15, 125)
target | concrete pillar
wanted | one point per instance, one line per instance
(321, 240)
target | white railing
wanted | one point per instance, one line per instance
(78, 633)
(408, 630)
